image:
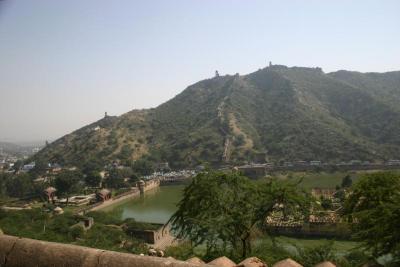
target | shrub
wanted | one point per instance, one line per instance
(77, 231)
(309, 257)
(182, 251)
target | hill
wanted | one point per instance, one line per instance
(10, 147)
(19, 150)
(276, 114)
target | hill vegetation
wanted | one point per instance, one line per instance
(275, 114)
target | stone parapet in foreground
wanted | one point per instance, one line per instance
(25, 252)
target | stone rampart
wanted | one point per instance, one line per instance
(24, 252)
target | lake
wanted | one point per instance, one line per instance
(156, 206)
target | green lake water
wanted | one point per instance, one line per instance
(159, 204)
(156, 206)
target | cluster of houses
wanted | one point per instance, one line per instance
(8, 159)
(7, 162)
(7, 165)
(171, 176)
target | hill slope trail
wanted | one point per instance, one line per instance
(285, 113)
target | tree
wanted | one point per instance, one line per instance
(216, 209)
(115, 179)
(19, 185)
(222, 210)
(311, 256)
(373, 207)
(346, 181)
(93, 179)
(326, 203)
(340, 194)
(40, 167)
(142, 167)
(92, 165)
(18, 165)
(66, 183)
(4, 177)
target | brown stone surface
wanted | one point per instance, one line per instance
(325, 264)
(6, 245)
(287, 263)
(110, 258)
(252, 262)
(222, 262)
(24, 252)
(195, 260)
(28, 252)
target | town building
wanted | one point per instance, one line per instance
(103, 195)
(50, 193)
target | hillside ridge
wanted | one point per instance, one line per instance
(276, 114)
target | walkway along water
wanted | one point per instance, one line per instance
(134, 193)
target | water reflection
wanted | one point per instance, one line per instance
(155, 206)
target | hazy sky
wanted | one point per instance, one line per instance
(64, 63)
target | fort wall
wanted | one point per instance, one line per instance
(18, 252)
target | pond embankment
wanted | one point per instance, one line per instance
(133, 193)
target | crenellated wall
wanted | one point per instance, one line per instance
(24, 252)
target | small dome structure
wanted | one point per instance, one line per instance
(325, 264)
(195, 260)
(287, 263)
(222, 262)
(58, 210)
(252, 262)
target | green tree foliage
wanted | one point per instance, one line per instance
(143, 167)
(66, 183)
(181, 251)
(115, 179)
(309, 257)
(3, 179)
(76, 231)
(18, 165)
(40, 167)
(93, 179)
(222, 210)
(93, 165)
(19, 185)
(347, 181)
(374, 208)
(37, 224)
(340, 194)
(326, 203)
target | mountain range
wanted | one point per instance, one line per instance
(275, 114)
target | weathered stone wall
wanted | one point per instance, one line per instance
(24, 252)
(149, 185)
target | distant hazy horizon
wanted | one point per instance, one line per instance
(64, 63)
